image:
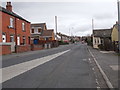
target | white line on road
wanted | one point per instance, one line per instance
(102, 72)
(15, 70)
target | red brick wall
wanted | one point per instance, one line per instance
(5, 49)
(23, 48)
(18, 23)
(22, 33)
(5, 24)
(36, 47)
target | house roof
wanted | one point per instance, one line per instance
(42, 25)
(12, 14)
(63, 35)
(115, 26)
(102, 32)
(47, 33)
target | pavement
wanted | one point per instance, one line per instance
(68, 66)
(108, 61)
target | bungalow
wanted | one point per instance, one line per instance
(102, 37)
(15, 30)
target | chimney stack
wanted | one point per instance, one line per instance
(9, 6)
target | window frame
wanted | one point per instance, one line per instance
(23, 26)
(11, 22)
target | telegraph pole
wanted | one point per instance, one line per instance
(56, 26)
(118, 4)
(92, 25)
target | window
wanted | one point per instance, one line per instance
(28, 40)
(32, 31)
(98, 41)
(101, 41)
(3, 37)
(11, 22)
(95, 41)
(23, 26)
(46, 38)
(24, 40)
(11, 38)
(39, 30)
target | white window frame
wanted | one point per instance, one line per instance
(12, 37)
(23, 26)
(11, 22)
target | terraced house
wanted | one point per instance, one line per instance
(15, 31)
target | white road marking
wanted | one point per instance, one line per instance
(93, 69)
(89, 60)
(15, 70)
(102, 72)
(84, 59)
(107, 51)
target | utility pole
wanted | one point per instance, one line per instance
(56, 26)
(118, 3)
(92, 38)
(92, 25)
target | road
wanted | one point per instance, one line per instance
(68, 66)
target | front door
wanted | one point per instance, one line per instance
(18, 40)
(12, 43)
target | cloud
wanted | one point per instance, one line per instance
(75, 16)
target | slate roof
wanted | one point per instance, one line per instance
(12, 13)
(42, 25)
(102, 32)
(47, 33)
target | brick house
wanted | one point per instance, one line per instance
(40, 32)
(36, 31)
(42, 36)
(15, 30)
(48, 35)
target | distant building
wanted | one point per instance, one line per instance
(63, 37)
(102, 37)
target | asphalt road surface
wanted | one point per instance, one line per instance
(67, 66)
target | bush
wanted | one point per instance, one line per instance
(101, 47)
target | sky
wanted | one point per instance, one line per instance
(74, 17)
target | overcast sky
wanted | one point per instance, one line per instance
(73, 15)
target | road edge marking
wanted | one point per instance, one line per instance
(109, 84)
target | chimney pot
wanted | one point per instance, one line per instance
(9, 6)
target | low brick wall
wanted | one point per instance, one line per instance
(5, 49)
(36, 47)
(23, 48)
